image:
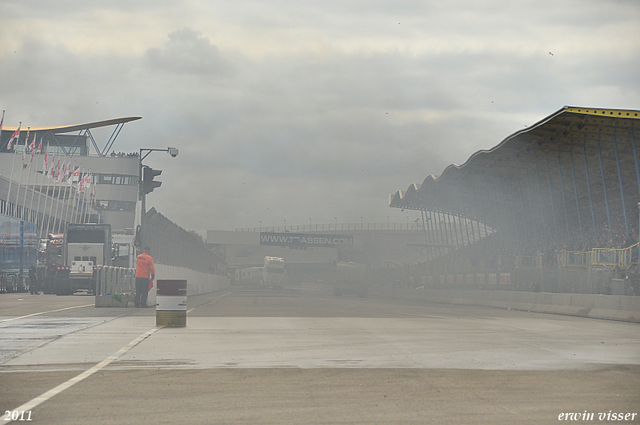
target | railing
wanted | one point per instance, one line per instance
(610, 258)
(11, 282)
(605, 258)
(528, 262)
(115, 280)
(574, 260)
(327, 227)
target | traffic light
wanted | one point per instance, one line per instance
(148, 175)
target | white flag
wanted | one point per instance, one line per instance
(74, 176)
(32, 148)
(14, 136)
(45, 169)
(52, 167)
(24, 148)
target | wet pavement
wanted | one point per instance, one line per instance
(263, 342)
(245, 335)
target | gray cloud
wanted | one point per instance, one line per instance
(187, 52)
(312, 111)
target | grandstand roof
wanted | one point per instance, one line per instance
(59, 129)
(56, 131)
(575, 171)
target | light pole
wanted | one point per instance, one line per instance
(147, 185)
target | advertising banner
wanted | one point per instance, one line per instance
(305, 240)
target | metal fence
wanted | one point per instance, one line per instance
(115, 280)
(11, 282)
(607, 258)
(335, 227)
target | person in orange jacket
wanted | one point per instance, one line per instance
(145, 272)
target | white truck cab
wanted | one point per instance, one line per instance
(273, 272)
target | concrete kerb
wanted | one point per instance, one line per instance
(612, 307)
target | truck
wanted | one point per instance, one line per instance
(123, 251)
(51, 251)
(273, 272)
(248, 276)
(351, 278)
(85, 249)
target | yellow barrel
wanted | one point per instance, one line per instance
(171, 303)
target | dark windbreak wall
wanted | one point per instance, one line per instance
(172, 245)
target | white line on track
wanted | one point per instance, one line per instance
(45, 312)
(66, 385)
(213, 299)
(87, 373)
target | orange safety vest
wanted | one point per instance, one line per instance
(144, 266)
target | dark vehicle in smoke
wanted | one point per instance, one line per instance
(351, 278)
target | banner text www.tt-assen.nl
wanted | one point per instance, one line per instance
(305, 239)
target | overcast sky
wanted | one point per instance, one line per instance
(310, 110)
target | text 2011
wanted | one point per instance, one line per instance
(17, 415)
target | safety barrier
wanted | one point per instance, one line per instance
(528, 262)
(574, 260)
(621, 258)
(606, 258)
(612, 307)
(11, 282)
(115, 280)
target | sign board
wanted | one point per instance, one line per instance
(305, 240)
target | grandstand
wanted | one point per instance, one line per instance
(561, 194)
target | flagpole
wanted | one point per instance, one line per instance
(72, 194)
(83, 194)
(75, 193)
(71, 205)
(20, 178)
(72, 197)
(33, 190)
(24, 200)
(65, 206)
(11, 175)
(92, 197)
(69, 192)
(89, 194)
(65, 198)
(49, 173)
(40, 191)
(57, 186)
(78, 198)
